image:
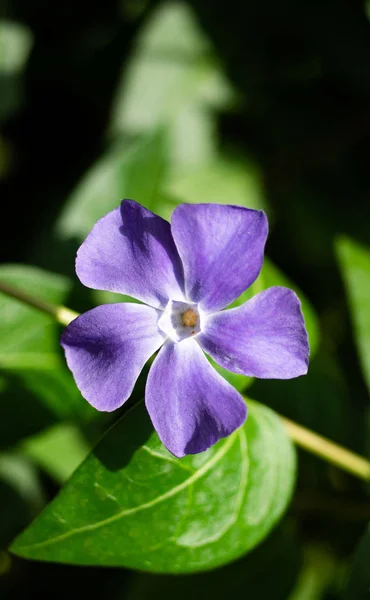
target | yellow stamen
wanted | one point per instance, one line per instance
(190, 318)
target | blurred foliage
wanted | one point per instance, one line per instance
(58, 450)
(260, 105)
(15, 46)
(21, 495)
(354, 261)
(32, 368)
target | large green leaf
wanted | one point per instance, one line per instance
(133, 504)
(271, 275)
(31, 360)
(354, 261)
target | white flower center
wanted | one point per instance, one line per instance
(180, 320)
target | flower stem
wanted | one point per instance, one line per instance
(310, 441)
(333, 453)
(63, 315)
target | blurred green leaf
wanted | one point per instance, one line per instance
(134, 172)
(58, 450)
(270, 276)
(317, 574)
(15, 46)
(192, 137)
(354, 262)
(21, 496)
(359, 581)
(30, 356)
(24, 331)
(173, 79)
(171, 69)
(133, 504)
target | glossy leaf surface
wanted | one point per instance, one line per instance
(133, 504)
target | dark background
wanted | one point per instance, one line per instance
(302, 70)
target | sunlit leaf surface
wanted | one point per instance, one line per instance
(133, 504)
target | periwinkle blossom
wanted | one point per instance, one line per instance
(185, 273)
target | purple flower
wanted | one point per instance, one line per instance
(185, 273)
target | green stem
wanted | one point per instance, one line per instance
(310, 441)
(62, 314)
(333, 453)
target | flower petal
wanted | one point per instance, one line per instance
(107, 347)
(131, 251)
(190, 404)
(265, 337)
(221, 248)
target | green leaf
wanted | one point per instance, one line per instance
(58, 450)
(173, 79)
(172, 69)
(271, 275)
(21, 496)
(25, 329)
(30, 355)
(359, 580)
(354, 262)
(133, 504)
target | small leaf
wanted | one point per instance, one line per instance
(354, 261)
(133, 504)
(271, 275)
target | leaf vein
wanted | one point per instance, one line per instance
(167, 458)
(241, 495)
(131, 511)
